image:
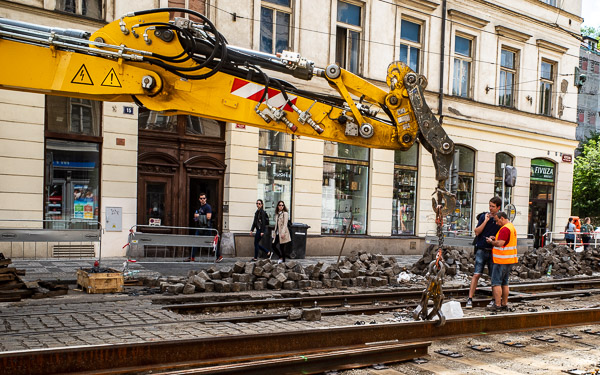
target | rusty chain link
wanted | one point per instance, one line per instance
(437, 267)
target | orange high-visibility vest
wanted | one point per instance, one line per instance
(508, 253)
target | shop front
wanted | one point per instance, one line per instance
(345, 189)
(541, 199)
(404, 202)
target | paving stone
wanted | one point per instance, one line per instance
(274, 283)
(238, 267)
(189, 289)
(312, 314)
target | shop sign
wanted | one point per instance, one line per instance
(542, 170)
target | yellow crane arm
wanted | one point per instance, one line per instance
(187, 67)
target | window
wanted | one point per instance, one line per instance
(546, 86)
(506, 159)
(550, 2)
(73, 116)
(152, 120)
(461, 185)
(405, 190)
(508, 74)
(88, 8)
(202, 126)
(275, 16)
(462, 66)
(348, 36)
(410, 46)
(71, 184)
(345, 185)
(274, 170)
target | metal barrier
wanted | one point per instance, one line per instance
(451, 238)
(555, 237)
(465, 239)
(21, 241)
(150, 244)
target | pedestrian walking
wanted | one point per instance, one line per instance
(486, 226)
(281, 234)
(586, 232)
(504, 254)
(260, 223)
(570, 235)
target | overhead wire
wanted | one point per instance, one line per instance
(329, 34)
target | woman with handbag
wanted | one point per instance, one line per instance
(281, 234)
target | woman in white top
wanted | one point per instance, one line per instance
(281, 234)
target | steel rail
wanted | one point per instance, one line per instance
(227, 349)
(518, 290)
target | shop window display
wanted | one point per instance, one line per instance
(460, 184)
(405, 191)
(274, 170)
(71, 187)
(345, 188)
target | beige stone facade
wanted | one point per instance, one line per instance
(476, 121)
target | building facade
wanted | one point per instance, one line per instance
(500, 79)
(588, 103)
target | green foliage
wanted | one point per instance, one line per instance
(594, 135)
(591, 32)
(586, 180)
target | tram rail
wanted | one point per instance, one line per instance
(234, 352)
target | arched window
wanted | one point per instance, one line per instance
(404, 200)
(502, 158)
(460, 183)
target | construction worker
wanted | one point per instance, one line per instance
(504, 254)
(486, 226)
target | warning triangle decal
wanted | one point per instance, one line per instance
(111, 79)
(82, 77)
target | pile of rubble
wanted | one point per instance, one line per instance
(557, 260)
(13, 288)
(553, 259)
(357, 270)
(456, 259)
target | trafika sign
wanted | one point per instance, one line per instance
(567, 158)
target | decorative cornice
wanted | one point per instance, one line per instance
(467, 19)
(551, 46)
(426, 5)
(156, 169)
(512, 34)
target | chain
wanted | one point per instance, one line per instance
(435, 272)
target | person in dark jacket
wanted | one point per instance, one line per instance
(260, 223)
(486, 226)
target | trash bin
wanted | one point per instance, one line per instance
(298, 232)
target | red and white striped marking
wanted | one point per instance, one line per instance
(254, 91)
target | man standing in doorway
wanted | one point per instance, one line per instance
(486, 226)
(504, 254)
(203, 220)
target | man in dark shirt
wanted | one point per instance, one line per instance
(486, 226)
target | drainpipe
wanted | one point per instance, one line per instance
(442, 58)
